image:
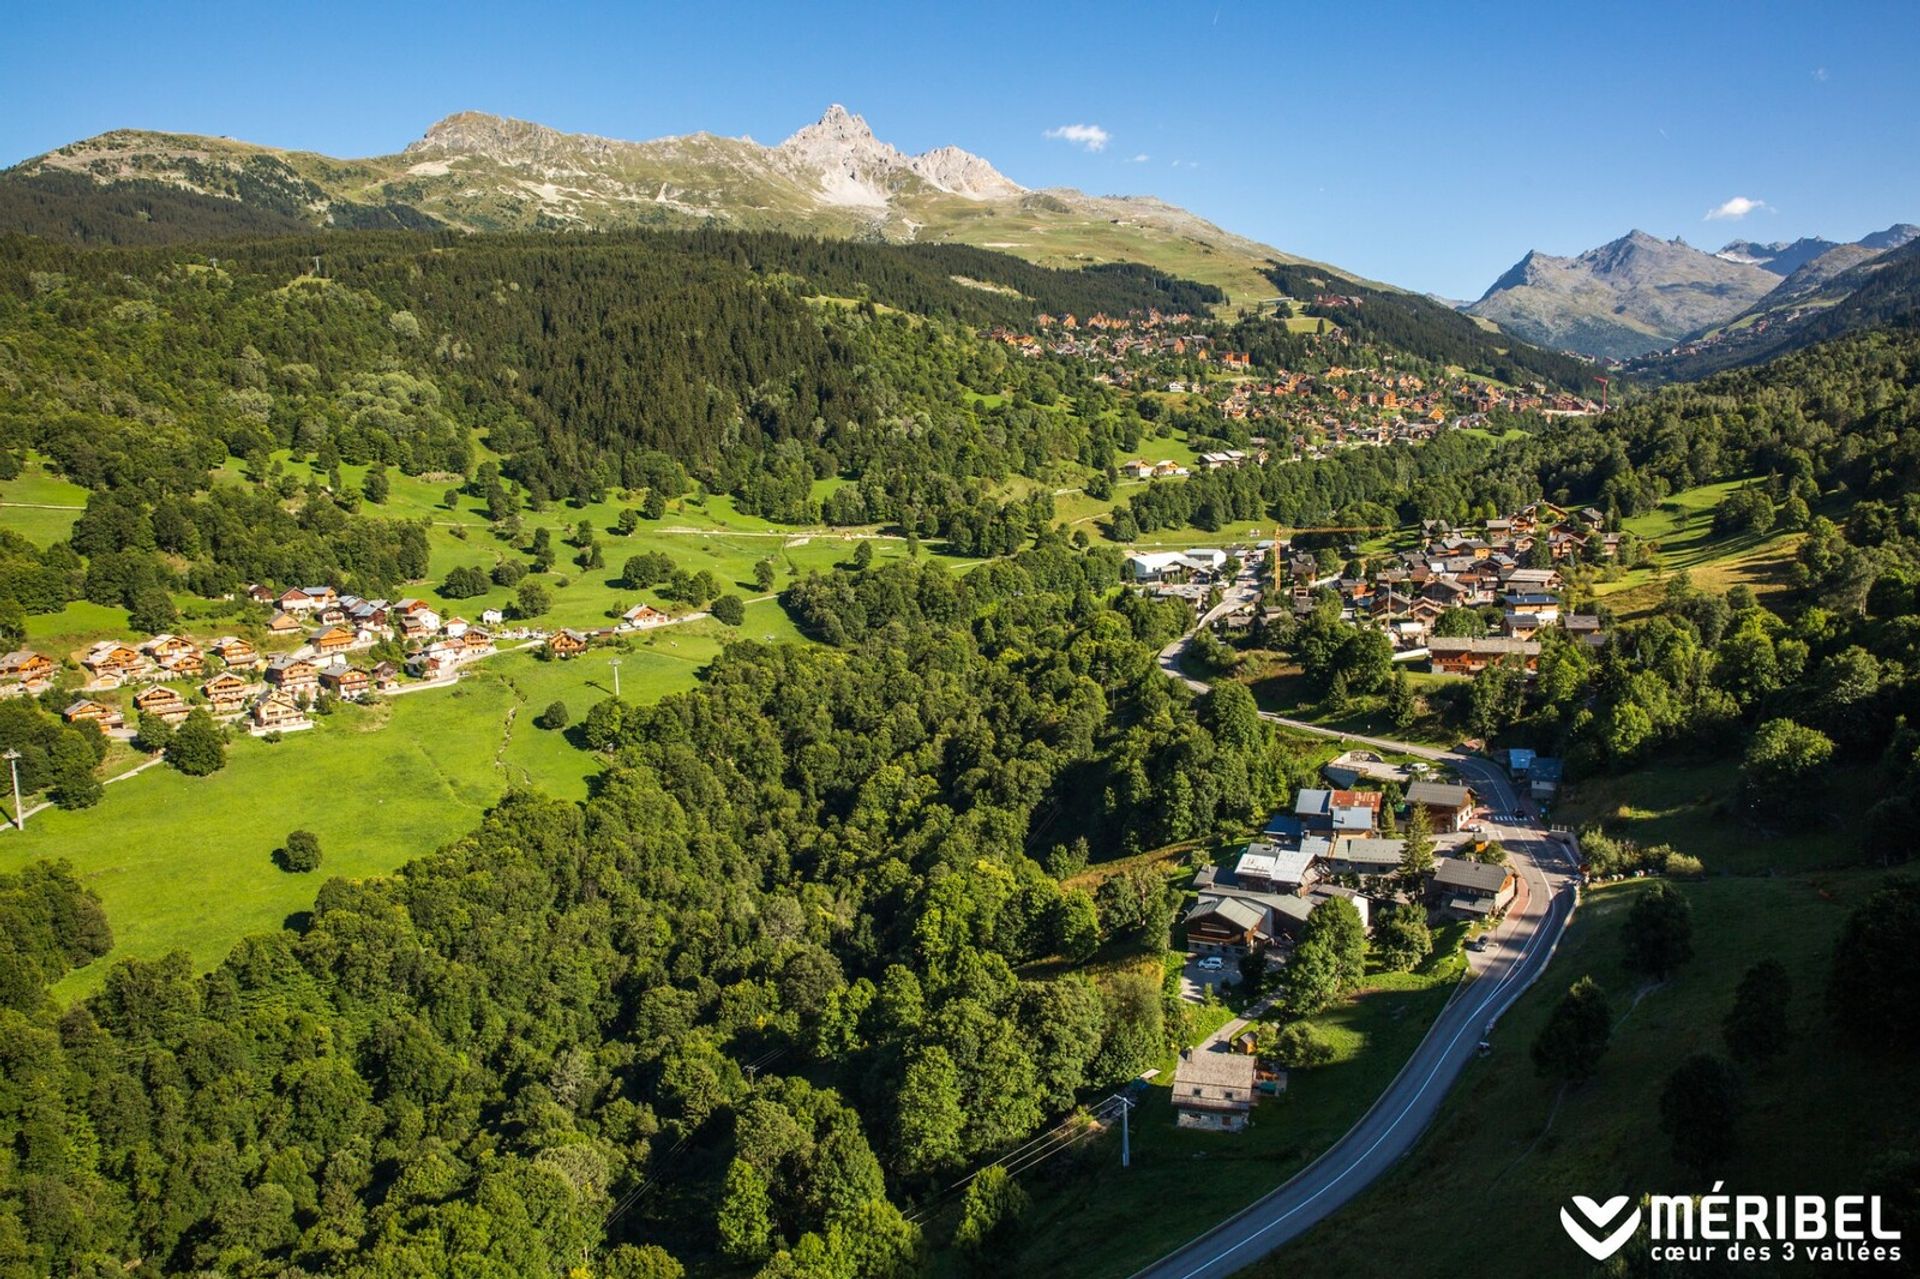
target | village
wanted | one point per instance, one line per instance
(315, 642)
(1297, 414)
(1245, 917)
(1458, 600)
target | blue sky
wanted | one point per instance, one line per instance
(1424, 144)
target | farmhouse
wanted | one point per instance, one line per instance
(1471, 888)
(284, 624)
(1213, 1089)
(566, 643)
(642, 616)
(1462, 656)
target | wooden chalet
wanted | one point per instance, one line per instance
(88, 711)
(162, 701)
(566, 643)
(349, 682)
(226, 693)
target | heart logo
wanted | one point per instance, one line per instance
(1599, 1214)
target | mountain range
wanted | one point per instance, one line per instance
(1640, 294)
(479, 172)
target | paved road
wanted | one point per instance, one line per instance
(1525, 943)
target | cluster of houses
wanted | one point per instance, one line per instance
(1330, 845)
(1407, 594)
(237, 682)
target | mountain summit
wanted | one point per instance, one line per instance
(857, 168)
(1622, 299)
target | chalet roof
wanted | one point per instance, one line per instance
(1269, 861)
(1439, 795)
(1235, 910)
(1489, 644)
(1214, 1079)
(1369, 852)
(1459, 872)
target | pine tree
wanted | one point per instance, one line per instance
(1400, 705)
(1416, 858)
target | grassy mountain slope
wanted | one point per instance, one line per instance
(476, 172)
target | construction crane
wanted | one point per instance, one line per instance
(1603, 381)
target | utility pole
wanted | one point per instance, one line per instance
(615, 664)
(13, 763)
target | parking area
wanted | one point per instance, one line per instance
(1202, 972)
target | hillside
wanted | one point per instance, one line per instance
(1633, 295)
(1849, 288)
(478, 172)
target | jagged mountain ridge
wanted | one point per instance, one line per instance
(1626, 297)
(1641, 294)
(479, 172)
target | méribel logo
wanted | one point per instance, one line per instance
(1597, 1243)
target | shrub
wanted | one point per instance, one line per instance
(1298, 1047)
(302, 852)
(555, 716)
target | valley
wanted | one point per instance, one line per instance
(586, 708)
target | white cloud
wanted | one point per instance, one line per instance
(1090, 136)
(1734, 209)
(1142, 158)
(1820, 74)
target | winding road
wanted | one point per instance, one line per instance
(1523, 945)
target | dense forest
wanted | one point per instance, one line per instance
(770, 985)
(632, 362)
(1430, 330)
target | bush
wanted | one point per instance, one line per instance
(302, 852)
(1681, 866)
(1298, 1047)
(555, 716)
(730, 609)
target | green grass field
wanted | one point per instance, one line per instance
(1694, 806)
(39, 506)
(1517, 1147)
(1281, 688)
(1681, 528)
(184, 863)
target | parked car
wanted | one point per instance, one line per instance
(1478, 942)
(1212, 964)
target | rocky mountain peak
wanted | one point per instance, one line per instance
(510, 142)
